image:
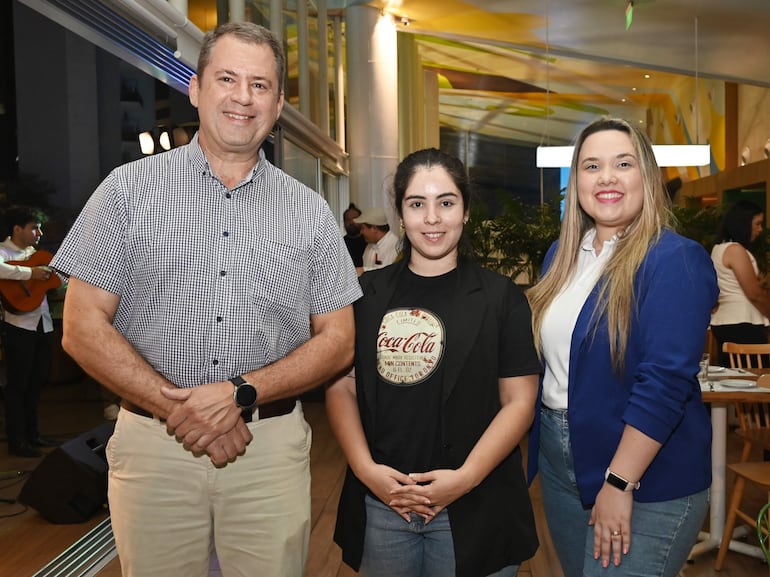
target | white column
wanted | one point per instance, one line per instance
(276, 18)
(180, 5)
(237, 10)
(339, 83)
(302, 59)
(323, 67)
(372, 106)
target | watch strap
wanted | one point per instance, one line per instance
(247, 412)
(619, 482)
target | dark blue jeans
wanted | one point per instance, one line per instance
(395, 548)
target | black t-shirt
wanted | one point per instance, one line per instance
(356, 246)
(410, 364)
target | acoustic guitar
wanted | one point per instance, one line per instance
(23, 296)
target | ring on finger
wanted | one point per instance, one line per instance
(616, 533)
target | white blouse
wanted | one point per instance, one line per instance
(560, 318)
(734, 308)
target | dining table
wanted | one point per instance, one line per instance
(722, 389)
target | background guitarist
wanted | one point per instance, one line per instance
(27, 338)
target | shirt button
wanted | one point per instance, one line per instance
(225, 234)
(219, 319)
(228, 195)
(222, 273)
(215, 362)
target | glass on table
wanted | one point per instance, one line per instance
(703, 370)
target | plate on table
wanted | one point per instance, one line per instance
(738, 383)
(716, 369)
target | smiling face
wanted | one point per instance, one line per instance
(609, 182)
(433, 213)
(238, 98)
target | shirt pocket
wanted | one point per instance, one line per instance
(279, 275)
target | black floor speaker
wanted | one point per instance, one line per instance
(70, 483)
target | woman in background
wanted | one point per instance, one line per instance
(744, 305)
(444, 390)
(623, 439)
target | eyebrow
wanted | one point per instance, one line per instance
(422, 196)
(619, 156)
(263, 79)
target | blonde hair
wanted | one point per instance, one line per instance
(616, 285)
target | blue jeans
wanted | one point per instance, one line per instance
(395, 548)
(662, 534)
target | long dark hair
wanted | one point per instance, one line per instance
(736, 223)
(429, 158)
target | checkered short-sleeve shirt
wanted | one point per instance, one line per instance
(212, 282)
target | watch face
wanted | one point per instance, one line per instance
(246, 395)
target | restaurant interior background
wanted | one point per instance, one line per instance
(500, 78)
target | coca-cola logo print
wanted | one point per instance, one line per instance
(410, 345)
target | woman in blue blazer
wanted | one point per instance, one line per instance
(444, 390)
(622, 439)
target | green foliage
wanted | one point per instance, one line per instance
(698, 222)
(516, 240)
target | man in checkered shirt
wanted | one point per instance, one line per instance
(208, 289)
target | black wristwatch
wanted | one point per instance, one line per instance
(245, 394)
(619, 482)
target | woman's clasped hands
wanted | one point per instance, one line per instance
(427, 494)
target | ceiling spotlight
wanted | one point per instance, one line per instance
(405, 20)
(146, 142)
(165, 140)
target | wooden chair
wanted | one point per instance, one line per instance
(748, 356)
(754, 429)
(752, 472)
(753, 418)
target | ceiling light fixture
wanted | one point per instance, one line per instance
(675, 155)
(665, 155)
(146, 142)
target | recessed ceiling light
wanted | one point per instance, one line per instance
(646, 75)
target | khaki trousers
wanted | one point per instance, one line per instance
(169, 508)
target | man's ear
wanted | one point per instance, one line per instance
(194, 89)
